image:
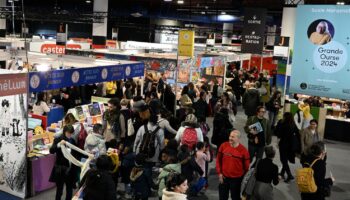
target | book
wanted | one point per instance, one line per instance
(256, 126)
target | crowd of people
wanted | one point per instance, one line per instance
(167, 154)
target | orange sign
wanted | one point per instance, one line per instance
(12, 84)
(58, 49)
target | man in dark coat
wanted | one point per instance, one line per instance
(251, 100)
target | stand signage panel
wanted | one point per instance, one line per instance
(13, 134)
(321, 66)
(254, 30)
(186, 43)
(40, 81)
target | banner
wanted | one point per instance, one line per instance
(40, 81)
(61, 36)
(186, 43)
(254, 30)
(320, 64)
(13, 134)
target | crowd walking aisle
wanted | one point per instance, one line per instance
(337, 162)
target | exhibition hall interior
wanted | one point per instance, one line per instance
(174, 99)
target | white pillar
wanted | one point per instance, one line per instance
(227, 33)
(288, 24)
(99, 30)
(2, 21)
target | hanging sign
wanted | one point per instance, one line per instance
(254, 30)
(186, 43)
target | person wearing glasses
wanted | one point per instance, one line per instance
(259, 133)
(309, 136)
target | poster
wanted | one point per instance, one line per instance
(13, 128)
(253, 31)
(186, 43)
(321, 66)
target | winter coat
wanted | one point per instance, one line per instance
(63, 170)
(141, 183)
(265, 125)
(168, 195)
(306, 138)
(167, 170)
(95, 143)
(289, 143)
(251, 100)
(221, 129)
(98, 185)
(322, 183)
(201, 108)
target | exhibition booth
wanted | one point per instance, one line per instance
(26, 137)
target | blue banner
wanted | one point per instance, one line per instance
(321, 66)
(50, 80)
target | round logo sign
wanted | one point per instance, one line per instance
(34, 81)
(75, 77)
(128, 71)
(186, 36)
(104, 73)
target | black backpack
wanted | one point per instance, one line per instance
(148, 146)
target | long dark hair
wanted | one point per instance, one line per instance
(288, 119)
(185, 90)
(40, 98)
(274, 96)
(174, 180)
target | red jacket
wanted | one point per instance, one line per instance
(232, 162)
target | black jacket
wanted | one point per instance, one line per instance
(201, 108)
(320, 179)
(251, 100)
(62, 169)
(221, 129)
(98, 185)
(289, 143)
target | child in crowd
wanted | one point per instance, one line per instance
(141, 183)
(172, 167)
(202, 156)
(189, 166)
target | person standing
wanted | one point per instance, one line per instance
(111, 124)
(95, 143)
(40, 107)
(266, 173)
(201, 106)
(305, 108)
(232, 162)
(221, 127)
(309, 136)
(316, 159)
(289, 143)
(273, 107)
(259, 133)
(63, 172)
(176, 188)
(251, 100)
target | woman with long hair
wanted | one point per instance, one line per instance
(40, 107)
(289, 143)
(273, 106)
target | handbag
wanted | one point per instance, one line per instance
(249, 188)
(131, 129)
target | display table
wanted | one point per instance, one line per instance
(56, 114)
(337, 129)
(39, 171)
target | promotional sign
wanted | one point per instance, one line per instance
(281, 46)
(61, 36)
(254, 30)
(13, 110)
(210, 40)
(168, 38)
(186, 43)
(51, 47)
(320, 64)
(40, 81)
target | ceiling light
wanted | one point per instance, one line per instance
(226, 17)
(203, 13)
(223, 13)
(180, 2)
(340, 3)
(88, 1)
(168, 0)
